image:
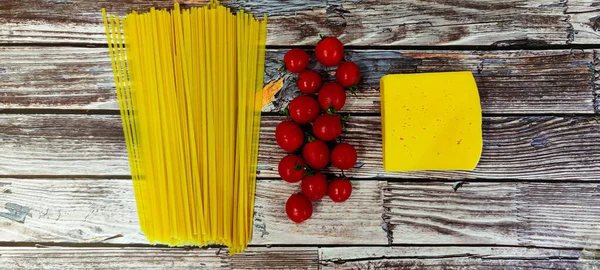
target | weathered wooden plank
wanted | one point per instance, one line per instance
(450, 257)
(156, 258)
(276, 258)
(584, 16)
(294, 258)
(509, 81)
(535, 148)
(367, 22)
(56, 77)
(103, 210)
(356, 221)
(110, 258)
(53, 144)
(526, 213)
(541, 148)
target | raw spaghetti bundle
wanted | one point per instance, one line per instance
(189, 88)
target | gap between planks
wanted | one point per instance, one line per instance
(388, 179)
(50, 111)
(482, 48)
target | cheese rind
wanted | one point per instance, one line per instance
(430, 121)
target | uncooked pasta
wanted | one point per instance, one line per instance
(189, 82)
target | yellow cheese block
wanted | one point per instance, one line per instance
(430, 121)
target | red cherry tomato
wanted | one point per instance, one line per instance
(289, 136)
(316, 154)
(348, 74)
(314, 186)
(329, 51)
(343, 156)
(339, 190)
(309, 81)
(332, 95)
(296, 60)
(291, 168)
(304, 109)
(327, 127)
(298, 208)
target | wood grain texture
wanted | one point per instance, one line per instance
(366, 22)
(276, 258)
(156, 258)
(525, 213)
(533, 148)
(62, 145)
(56, 77)
(535, 82)
(104, 211)
(557, 214)
(451, 257)
(584, 16)
(52, 257)
(85, 211)
(357, 221)
(509, 81)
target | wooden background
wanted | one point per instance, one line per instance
(533, 201)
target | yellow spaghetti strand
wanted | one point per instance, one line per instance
(197, 64)
(185, 128)
(256, 117)
(154, 106)
(219, 97)
(117, 71)
(136, 77)
(230, 128)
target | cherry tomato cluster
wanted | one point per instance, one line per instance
(312, 136)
